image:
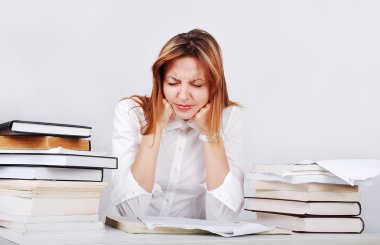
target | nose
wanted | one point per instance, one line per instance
(184, 93)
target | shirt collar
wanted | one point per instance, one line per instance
(176, 123)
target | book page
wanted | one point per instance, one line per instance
(222, 228)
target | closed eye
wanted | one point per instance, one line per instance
(197, 86)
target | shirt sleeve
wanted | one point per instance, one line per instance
(225, 202)
(127, 196)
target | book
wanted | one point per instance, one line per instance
(286, 167)
(308, 187)
(320, 208)
(50, 173)
(48, 218)
(37, 187)
(312, 224)
(57, 159)
(176, 225)
(58, 150)
(43, 142)
(19, 127)
(40, 206)
(309, 196)
(52, 227)
(48, 237)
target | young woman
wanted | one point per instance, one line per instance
(179, 149)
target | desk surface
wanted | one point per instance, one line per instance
(114, 236)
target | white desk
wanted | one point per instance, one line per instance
(114, 236)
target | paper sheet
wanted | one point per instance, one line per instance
(352, 170)
(222, 228)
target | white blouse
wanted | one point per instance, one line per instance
(180, 188)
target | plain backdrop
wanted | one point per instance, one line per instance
(307, 71)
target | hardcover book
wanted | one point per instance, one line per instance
(18, 127)
(312, 224)
(43, 142)
(321, 208)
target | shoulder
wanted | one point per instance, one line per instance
(130, 108)
(232, 113)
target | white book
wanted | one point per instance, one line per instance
(320, 208)
(48, 218)
(48, 206)
(309, 196)
(57, 159)
(68, 237)
(19, 127)
(52, 227)
(178, 225)
(58, 150)
(53, 186)
(309, 187)
(301, 179)
(50, 173)
(312, 224)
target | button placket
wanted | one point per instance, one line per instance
(174, 174)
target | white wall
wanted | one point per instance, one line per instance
(308, 71)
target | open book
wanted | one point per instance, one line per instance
(173, 225)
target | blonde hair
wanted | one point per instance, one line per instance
(202, 46)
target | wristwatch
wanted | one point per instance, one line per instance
(208, 138)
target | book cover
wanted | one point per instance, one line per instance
(320, 208)
(41, 158)
(19, 127)
(51, 173)
(308, 196)
(312, 224)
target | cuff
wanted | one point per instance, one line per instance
(229, 193)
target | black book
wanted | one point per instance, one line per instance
(18, 127)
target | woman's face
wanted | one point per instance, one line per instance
(185, 87)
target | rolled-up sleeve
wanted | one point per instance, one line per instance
(225, 202)
(127, 196)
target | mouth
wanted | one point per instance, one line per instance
(184, 107)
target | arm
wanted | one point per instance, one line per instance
(131, 192)
(224, 169)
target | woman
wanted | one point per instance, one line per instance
(179, 149)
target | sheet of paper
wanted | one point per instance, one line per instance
(352, 170)
(222, 228)
(296, 179)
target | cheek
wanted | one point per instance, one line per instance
(168, 92)
(202, 97)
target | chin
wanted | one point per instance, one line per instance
(184, 116)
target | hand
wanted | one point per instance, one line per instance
(202, 119)
(165, 112)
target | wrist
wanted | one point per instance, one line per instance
(209, 138)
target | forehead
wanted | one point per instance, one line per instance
(185, 68)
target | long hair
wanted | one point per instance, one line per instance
(202, 46)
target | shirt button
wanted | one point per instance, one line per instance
(179, 149)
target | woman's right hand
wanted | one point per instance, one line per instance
(165, 114)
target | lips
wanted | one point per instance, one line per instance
(184, 107)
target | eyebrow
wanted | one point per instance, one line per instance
(179, 80)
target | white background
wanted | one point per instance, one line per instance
(307, 71)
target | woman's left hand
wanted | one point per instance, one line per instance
(202, 119)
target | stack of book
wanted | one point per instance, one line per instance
(302, 198)
(50, 181)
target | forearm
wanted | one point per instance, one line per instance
(144, 166)
(216, 164)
